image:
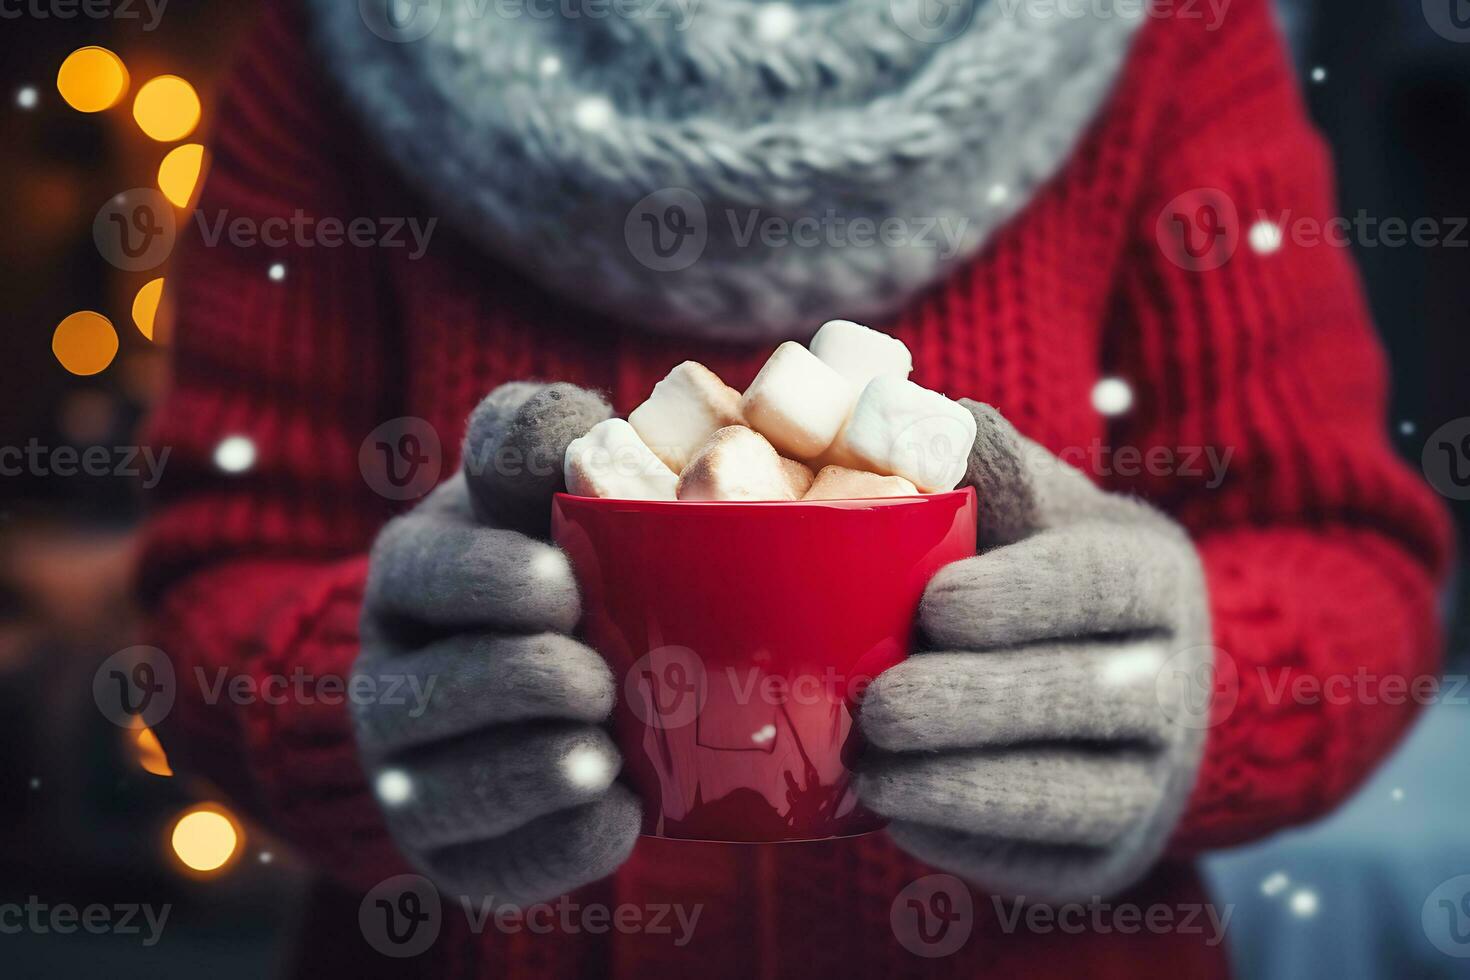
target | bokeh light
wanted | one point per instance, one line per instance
(204, 839)
(178, 174)
(145, 306)
(167, 108)
(92, 79)
(150, 754)
(85, 343)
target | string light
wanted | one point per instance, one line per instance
(27, 97)
(205, 839)
(145, 306)
(178, 174)
(92, 79)
(277, 272)
(85, 343)
(167, 108)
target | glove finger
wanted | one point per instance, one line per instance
(1036, 872)
(547, 857)
(515, 445)
(467, 682)
(1043, 795)
(1095, 692)
(492, 783)
(1086, 581)
(431, 569)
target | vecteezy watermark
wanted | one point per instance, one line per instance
(1103, 917)
(932, 21)
(64, 919)
(407, 21)
(667, 687)
(1285, 685)
(135, 685)
(670, 229)
(1445, 917)
(402, 917)
(139, 684)
(1198, 687)
(1450, 19)
(1212, 12)
(152, 10)
(402, 458)
(301, 686)
(1202, 229)
(129, 462)
(1446, 459)
(564, 916)
(135, 230)
(933, 916)
(1206, 463)
(302, 230)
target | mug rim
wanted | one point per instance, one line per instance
(840, 503)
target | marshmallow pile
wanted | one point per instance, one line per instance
(840, 420)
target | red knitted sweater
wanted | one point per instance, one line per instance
(1322, 552)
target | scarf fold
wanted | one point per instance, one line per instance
(727, 169)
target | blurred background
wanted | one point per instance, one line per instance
(90, 812)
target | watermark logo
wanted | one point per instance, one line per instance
(153, 10)
(401, 21)
(666, 687)
(135, 230)
(933, 917)
(1446, 917)
(932, 21)
(1446, 459)
(1450, 19)
(1198, 687)
(402, 458)
(401, 916)
(1199, 230)
(63, 918)
(1101, 918)
(135, 685)
(667, 230)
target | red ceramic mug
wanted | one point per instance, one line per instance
(741, 634)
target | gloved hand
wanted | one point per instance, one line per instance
(1034, 747)
(503, 786)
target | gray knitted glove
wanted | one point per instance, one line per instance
(503, 786)
(1043, 745)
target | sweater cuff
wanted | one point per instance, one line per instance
(1321, 637)
(298, 730)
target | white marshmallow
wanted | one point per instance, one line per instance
(611, 461)
(798, 476)
(860, 353)
(683, 411)
(841, 483)
(736, 464)
(900, 429)
(797, 402)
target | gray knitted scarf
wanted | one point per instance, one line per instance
(728, 168)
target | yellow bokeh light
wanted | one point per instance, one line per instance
(167, 108)
(92, 79)
(145, 306)
(204, 839)
(150, 754)
(179, 173)
(85, 343)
